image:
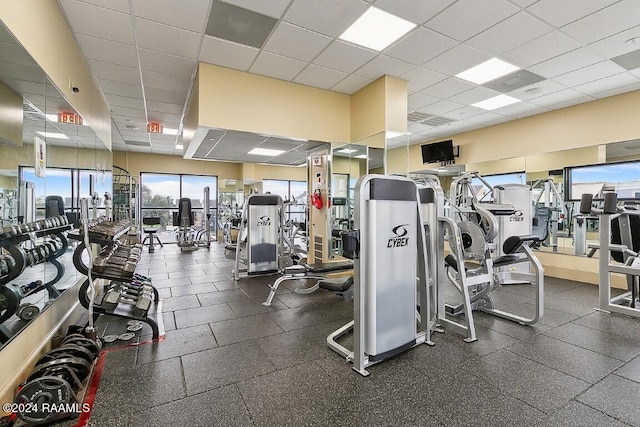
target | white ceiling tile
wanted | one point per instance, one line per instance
(295, 42)
(607, 83)
(599, 25)
(523, 3)
(164, 81)
(487, 117)
(589, 73)
(541, 49)
(343, 57)
(417, 127)
(565, 63)
(517, 108)
(479, 93)
(520, 27)
(559, 13)
(227, 54)
(119, 5)
(321, 77)
(276, 66)
(466, 18)
(618, 90)
(163, 38)
(456, 60)
(529, 113)
(105, 70)
(166, 64)
(191, 16)
(536, 90)
(120, 88)
(161, 95)
(617, 44)
(419, 78)
(124, 101)
(108, 51)
(557, 97)
(448, 88)
(572, 102)
(129, 112)
(273, 8)
(416, 11)
(331, 18)
(418, 100)
(98, 22)
(163, 107)
(420, 46)
(351, 84)
(441, 107)
(464, 112)
(381, 65)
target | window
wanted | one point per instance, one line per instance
(289, 190)
(482, 192)
(621, 178)
(160, 194)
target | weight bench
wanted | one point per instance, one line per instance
(151, 225)
(317, 272)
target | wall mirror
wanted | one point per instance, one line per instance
(50, 160)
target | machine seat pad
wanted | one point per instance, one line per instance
(329, 266)
(514, 243)
(295, 269)
(505, 259)
(336, 286)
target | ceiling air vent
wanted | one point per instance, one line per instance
(31, 112)
(238, 25)
(138, 143)
(417, 116)
(437, 121)
(630, 60)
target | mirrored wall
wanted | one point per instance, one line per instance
(50, 160)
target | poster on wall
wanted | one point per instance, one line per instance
(41, 157)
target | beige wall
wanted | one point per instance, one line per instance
(249, 102)
(57, 156)
(42, 29)
(280, 172)
(135, 163)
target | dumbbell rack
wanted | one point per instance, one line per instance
(19, 258)
(153, 317)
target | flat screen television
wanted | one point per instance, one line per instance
(438, 152)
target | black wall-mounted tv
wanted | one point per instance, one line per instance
(438, 152)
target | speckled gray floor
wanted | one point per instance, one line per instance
(229, 361)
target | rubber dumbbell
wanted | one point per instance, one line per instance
(4, 268)
(111, 299)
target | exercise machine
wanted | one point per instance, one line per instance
(391, 273)
(184, 220)
(619, 238)
(203, 236)
(259, 246)
(547, 205)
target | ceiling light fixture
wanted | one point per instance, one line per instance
(169, 131)
(376, 29)
(265, 152)
(496, 102)
(53, 135)
(179, 147)
(360, 156)
(396, 134)
(487, 71)
(346, 150)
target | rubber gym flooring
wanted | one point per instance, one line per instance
(229, 361)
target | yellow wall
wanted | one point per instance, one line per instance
(134, 163)
(280, 172)
(57, 156)
(396, 104)
(42, 29)
(11, 117)
(253, 103)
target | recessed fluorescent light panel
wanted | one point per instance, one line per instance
(53, 135)
(169, 131)
(487, 71)
(376, 29)
(179, 147)
(361, 156)
(496, 102)
(346, 150)
(265, 152)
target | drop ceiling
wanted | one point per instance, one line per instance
(144, 54)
